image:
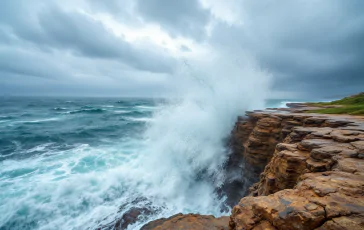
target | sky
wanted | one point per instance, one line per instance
(310, 48)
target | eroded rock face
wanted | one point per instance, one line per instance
(311, 169)
(254, 139)
(188, 222)
(318, 198)
(314, 178)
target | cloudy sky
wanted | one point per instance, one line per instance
(140, 47)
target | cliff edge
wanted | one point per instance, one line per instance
(308, 169)
(314, 176)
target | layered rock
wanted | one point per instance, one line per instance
(311, 169)
(188, 222)
(314, 178)
(255, 138)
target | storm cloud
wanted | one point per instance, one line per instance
(135, 48)
(185, 18)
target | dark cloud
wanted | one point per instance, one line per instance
(20, 63)
(89, 38)
(49, 50)
(84, 36)
(313, 47)
(179, 18)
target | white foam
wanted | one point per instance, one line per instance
(122, 111)
(144, 107)
(41, 147)
(176, 165)
(139, 119)
(36, 121)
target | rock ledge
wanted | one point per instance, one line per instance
(311, 169)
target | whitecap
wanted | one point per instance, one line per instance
(34, 121)
(121, 111)
(41, 120)
(139, 119)
(39, 148)
(145, 107)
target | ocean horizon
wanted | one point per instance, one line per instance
(83, 162)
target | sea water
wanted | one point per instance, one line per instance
(81, 163)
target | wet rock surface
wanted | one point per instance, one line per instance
(130, 217)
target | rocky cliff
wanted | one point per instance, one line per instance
(311, 169)
(314, 176)
(189, 221)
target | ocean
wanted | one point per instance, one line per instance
(81, 163)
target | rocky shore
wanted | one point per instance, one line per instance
(308, 169)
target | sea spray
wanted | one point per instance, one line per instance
(169, 162)
(185, 151)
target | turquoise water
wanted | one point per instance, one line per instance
(55, 154)
(80, 163)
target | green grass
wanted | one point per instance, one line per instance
(353, 110)
(353, 105)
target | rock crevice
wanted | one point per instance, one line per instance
(314, 176)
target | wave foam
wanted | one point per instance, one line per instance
(175, 167)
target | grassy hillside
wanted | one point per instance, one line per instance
(349, 105)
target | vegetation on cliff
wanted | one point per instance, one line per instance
(353, 105)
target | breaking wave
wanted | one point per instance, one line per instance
(166, 156)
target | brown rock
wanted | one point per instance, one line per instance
(189, 222)
(326, 152)
(351, 165)
(310, 144)
(317, 198)
(359, 145)
(312, 173)
(315, 178)
(318, 166)
(346, 136)
(283, 210)
(344, 223)
(334, 123)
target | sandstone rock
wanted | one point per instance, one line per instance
(316, 199)
(344, 223)
(318, 166)
(311, 170)
(285, 146)
(314, 121)
(326, 152)
(346, 136)
(315, 178)
(351, 165)
(283, 210)
(334, 123)
(359, 145)
(310, 144)
(188, 222)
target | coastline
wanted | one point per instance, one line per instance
(311, 169)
